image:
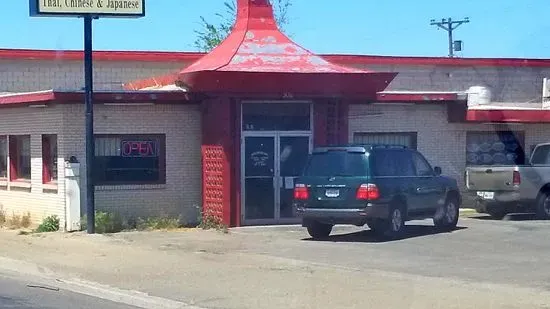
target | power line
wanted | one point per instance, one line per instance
(449, 25)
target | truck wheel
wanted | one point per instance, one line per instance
(446, 217)
(543, 206)
(497, 213)
(319, 230)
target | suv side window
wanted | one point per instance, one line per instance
(423, 168)
(388, 163)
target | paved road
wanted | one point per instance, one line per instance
(15, 293)
(482, 264)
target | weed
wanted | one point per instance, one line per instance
(208, 220)
(158, 223)
(26, 220)
(15, 221)
(2, 217)
(49, 224)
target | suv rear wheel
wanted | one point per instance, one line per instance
(319, 230)
(446, 217)
(392, 227)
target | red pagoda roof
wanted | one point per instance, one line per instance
(258, 58)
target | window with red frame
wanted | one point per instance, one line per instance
(49, 158)
(3, 157)
(20, 157)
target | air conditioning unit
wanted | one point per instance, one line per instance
(546, 93)
(479, 95)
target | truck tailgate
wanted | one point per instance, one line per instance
(490, 178)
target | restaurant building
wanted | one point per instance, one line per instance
(226, 133)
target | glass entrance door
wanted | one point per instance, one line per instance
(270, 163)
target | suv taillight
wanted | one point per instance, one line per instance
(516, 178)
(368, 191)
(301, 192)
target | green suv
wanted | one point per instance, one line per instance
(379, 185)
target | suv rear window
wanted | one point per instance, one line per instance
(337, 163)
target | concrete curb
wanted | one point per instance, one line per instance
(46, 277)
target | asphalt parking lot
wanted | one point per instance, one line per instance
(480, 249)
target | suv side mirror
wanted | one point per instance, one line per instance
(437, 171)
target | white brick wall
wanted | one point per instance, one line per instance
(443, 143)
(33, 75)
(33, 121)
(508, 84)
(181, 195)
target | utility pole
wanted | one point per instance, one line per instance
(449, 25)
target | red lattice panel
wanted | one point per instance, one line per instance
(213, 169)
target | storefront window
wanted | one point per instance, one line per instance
(3, 157)
(407, 139)
(49, 158)
(129, 159)
(496, 147)
(20, 157)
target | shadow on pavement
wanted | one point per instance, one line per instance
(509, 217)
(368, 236)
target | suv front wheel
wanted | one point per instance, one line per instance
(446, 216)
(319, 230)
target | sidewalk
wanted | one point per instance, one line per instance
(214, 270)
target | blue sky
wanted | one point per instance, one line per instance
(505, 28)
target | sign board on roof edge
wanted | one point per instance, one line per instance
(76, 8)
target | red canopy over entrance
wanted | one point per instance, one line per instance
(256, 58)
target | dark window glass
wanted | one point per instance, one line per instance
(337, 163)
(129, 159)
(49, 158)
(495, 147)
(386, 163)
(20, 157)
(276, 117)
(3, 157)
(422, 166)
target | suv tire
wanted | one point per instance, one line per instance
(394, 226)
(446, 217)
(543, 206)
(319, 230)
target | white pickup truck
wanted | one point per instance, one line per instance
(504, 189)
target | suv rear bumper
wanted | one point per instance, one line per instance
(355, 216)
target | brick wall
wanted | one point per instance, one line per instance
(33, 75)
(20, 200)
(508, 84)
(443, 143)
(181, 195)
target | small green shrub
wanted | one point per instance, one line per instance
(105, 223)
(49, 224)
(26, 220)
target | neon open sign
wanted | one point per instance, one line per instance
(139, 149)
